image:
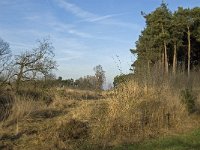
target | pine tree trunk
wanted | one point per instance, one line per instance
(163, 62)
(189, 51)
(175, 59)
(165, 55)
(148, 71)
(148, 66)
(166, 58)
(148, 75)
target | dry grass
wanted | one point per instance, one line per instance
(130, 113)
(75, 94)
(135, 113)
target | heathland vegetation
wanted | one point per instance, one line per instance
(156, 106)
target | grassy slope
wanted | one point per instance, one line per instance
(39, 131)
(190, 141)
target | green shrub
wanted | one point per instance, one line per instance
(189, 98)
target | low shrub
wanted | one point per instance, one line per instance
(38, 95)
(72, 94)
(189, 99)
(21, 108)
(6, 103)
(45, 113)
(74, 130)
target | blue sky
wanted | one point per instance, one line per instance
(85, 33)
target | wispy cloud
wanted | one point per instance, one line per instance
(67, 48)
(91, 17)
(69, 55)
(56, 26)
(100, 18)
(68, 29)
(80, 34)
(77, 11)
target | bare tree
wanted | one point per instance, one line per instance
(5, 61)
(35, 63)
(100, 77)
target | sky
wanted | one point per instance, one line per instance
(84, 33)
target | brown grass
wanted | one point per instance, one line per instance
(133, 113)
(130, 113)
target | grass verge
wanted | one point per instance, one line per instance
(188, 141)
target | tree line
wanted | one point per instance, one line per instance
(36, 66)
(90, 82)
(170, 41)
(30, 65)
